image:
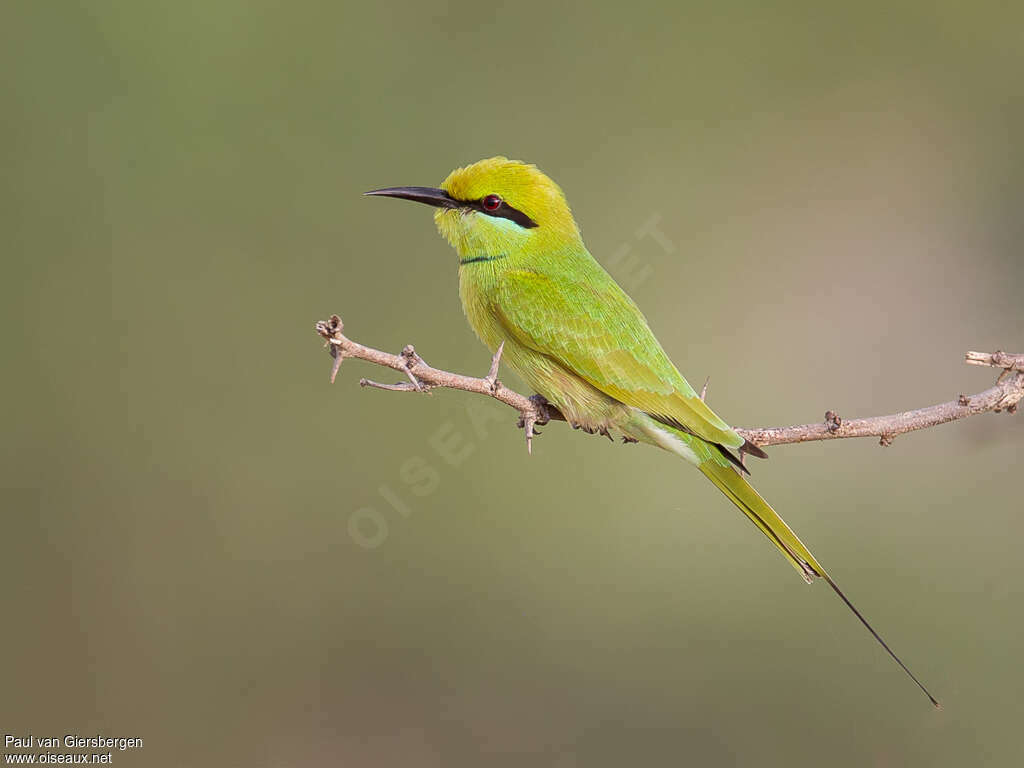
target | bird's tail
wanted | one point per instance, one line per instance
(742, 494)
(750, 502)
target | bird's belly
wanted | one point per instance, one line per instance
(581, 403)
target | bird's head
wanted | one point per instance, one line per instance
(495, 207)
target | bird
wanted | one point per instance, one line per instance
(530, 288)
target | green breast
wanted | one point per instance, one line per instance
(477, 283)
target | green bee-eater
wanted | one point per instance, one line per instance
(527, 281)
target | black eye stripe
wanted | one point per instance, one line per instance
(504, 211)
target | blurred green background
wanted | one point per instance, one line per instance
(207, 546)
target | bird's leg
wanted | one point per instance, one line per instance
(545, 412)
(492, 375)
(704, 389)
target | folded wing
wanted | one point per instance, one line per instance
(594, 329)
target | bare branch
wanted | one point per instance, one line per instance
(1006, 393)
(535, 411)
(997, 360)
(402, 386)
(492, 375)
(422, 376)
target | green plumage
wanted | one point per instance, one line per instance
(527, 281)
(577, 339)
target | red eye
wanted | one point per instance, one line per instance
(491, 203)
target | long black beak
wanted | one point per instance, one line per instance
(429, 195)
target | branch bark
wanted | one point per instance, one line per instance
(1007, 392)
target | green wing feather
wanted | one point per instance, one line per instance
(591, 327)
(594, 329)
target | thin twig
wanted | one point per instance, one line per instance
(492, 374)
(997, 359)
(1005, 394)
(422, 376)
(534, 411)
(402, 386)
